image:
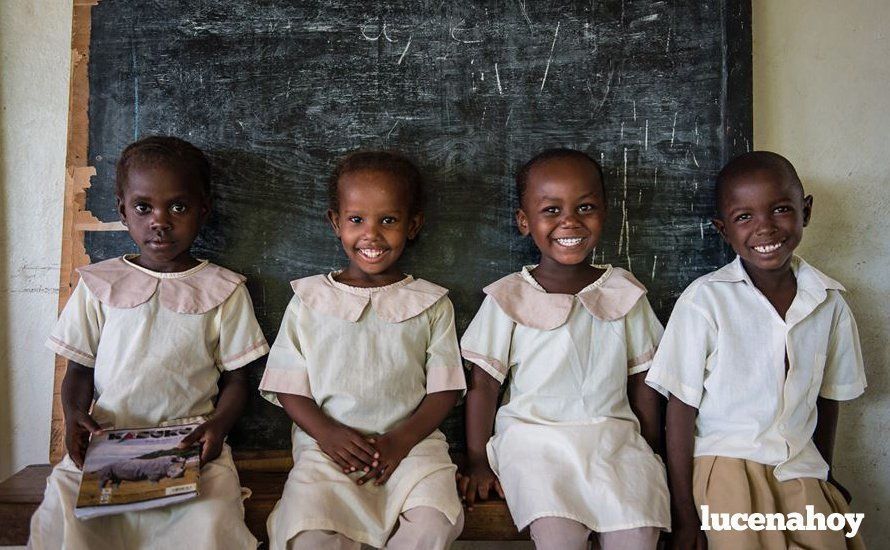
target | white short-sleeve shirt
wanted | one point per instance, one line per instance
(724, 351)
(157, 341)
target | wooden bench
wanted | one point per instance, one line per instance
(21, 494)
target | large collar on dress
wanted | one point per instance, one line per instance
(393, 303)
(608, 298)
(120, 283)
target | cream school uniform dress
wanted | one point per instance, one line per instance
(566, 442)
(724, 353)
(157, 343)
(368, 357)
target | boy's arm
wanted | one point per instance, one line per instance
(680, 428)
(646, 405)
(823, 438)
(233, 392)
(395, 445)
(481, 407)
(347, 447)
(77, 397)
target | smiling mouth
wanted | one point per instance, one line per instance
(768, 248)
(371, 253)
(160, 244)
(569, 242)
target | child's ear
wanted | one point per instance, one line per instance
(719, 226)
(121, 210)
(334, 219)
(414, 225)
(522, 222)
(807, 209)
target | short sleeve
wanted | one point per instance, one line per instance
(286, 368)
(487, 340)
(643, 331)
(844, 376)
(76, 334)
(240, 338)
(444, 370)
(679, 365)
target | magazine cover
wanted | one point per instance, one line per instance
(137, 469)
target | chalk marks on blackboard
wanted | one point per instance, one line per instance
(549, 59)
(405, 51)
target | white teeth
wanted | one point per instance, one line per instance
(767, 248)
(370, 252)
(574, 241)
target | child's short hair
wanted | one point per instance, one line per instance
(392, 162)
(551, 154)
(752, 162)
(171, 152)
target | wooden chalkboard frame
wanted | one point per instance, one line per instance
(736, 109)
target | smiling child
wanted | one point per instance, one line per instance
(755, 358)
(367, 366)
(572, 450)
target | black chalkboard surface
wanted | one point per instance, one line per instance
(275, 91)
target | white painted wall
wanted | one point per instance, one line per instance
(822, 75)
(821, 85)
(35, 57)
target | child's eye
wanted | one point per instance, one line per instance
(354, 219)
(742, 217)
(551, 210)
(142, 208)
(585, 208)
(178, 208)
(389, 220)
(782, 209)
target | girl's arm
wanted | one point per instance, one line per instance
(77, 397)
(347, 447)
(823, 437)
(233, 392)
(481, 407)
(680, 429)
(646, 405)
(395, 445)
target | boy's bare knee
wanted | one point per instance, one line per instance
(553, 533)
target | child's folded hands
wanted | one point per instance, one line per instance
(348, 448)
(479, 480)
(392, 447)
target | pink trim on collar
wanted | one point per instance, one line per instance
(393, 303)
(121, 284)
(609, 298)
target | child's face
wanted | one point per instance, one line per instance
(163, 213)
(563, 210)
(373, 221)
(762, 217)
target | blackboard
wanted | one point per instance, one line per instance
(275, 91)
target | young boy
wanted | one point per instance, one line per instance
(754, 359)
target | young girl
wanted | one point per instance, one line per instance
(575, 338)
(367, 365)
(755, 358)
(151, 338)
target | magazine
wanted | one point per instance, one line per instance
(137, 469)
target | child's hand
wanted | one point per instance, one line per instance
(348, 448)
(78, 428)
(479, 479)
(687, 535)
(211, 437)
(391, 449)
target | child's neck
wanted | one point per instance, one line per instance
(176, 265)
(353, 276)
(557, 278)
(779, 286)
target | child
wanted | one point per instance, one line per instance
(367, 365)
(575, 338)
(148, 337)
(755, 358)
